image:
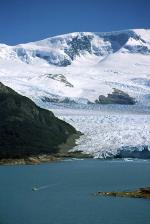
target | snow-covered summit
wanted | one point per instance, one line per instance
(80, 66)
(62, 50)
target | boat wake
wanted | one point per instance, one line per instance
(35, 188)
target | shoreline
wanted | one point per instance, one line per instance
(58, 157)
(43, 158)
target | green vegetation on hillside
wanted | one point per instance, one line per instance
(26, 129)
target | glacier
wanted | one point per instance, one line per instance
(68, 73)
(108, 131)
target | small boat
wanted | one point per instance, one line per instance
(34, 189)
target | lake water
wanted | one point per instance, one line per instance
(64, 194)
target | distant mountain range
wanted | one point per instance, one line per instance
(79, 67)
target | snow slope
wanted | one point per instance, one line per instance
(79, 66)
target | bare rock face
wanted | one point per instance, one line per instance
(26, 129)
(117, 97)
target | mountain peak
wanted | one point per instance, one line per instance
(62, 50)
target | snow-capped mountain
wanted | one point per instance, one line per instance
(79, 66)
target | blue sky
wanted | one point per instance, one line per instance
(30, 20)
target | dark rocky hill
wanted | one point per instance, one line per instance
(26, 129)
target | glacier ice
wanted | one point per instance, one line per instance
(105, 132)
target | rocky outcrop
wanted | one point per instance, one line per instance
(139, 193)
(117, 97)
(58, 77)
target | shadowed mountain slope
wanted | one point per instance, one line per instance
(27, 129)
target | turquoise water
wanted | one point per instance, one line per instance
(64, 193)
